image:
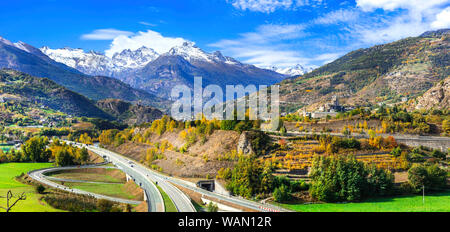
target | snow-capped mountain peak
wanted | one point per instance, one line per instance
(189, 52)
(96, 63)
(291, 71)
(134, 59)
(219, 57)
(90, 62)
(21, 45)
(5, 41)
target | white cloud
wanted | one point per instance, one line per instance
(341, 15)
(266, 6)
(150, 39)
(269, 6)
(105, 34)
(264, 34)
(417, 5)
(390, 30)
(267, 46)
(147, 24)
(442, 19)
(416, 17)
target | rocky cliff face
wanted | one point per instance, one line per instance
(437, 97)
(244, 144)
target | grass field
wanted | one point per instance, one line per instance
(168, 204)
(438, 202)
(113, 190)
(7, 182)
(94, 177)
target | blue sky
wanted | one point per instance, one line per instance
(261, 32)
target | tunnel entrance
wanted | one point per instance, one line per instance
(206, 184)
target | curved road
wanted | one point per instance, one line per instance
(180, 200)
(39, 175)
(152, 195)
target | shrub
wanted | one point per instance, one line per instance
(71, 202)
(40, 189)
(281, 194)
(211, 207)
(396, 152)
(104, 205)
(438, 154)
(429, 175)
(416, 157)
(344, 143)
(298, 185)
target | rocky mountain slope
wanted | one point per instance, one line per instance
(438, 97)
(380, 74)
(181, 64)
(129, 113)
(44, 92)
(26, 58)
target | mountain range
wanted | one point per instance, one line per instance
(26, 58)
(158, 73)
(98, 64)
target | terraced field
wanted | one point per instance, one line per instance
(298, 155)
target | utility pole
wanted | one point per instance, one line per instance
(423, 194)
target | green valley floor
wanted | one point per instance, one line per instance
(437, 202)
(8, 172)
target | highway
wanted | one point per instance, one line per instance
(153, 196)
(181, 201)
(39, 175)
